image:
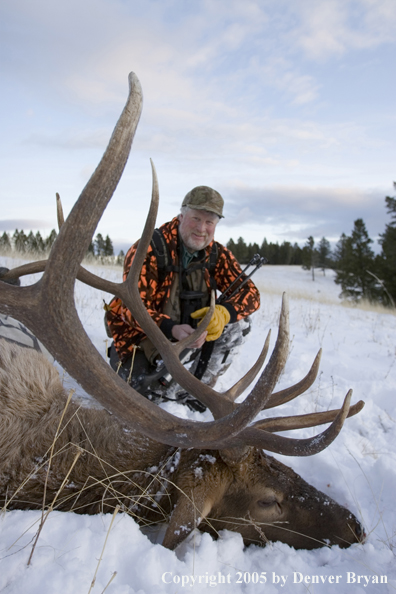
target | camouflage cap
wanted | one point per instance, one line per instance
(204, 198)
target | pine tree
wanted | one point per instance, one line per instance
(40, 244)
(5, 242)
(31, 243)
(242, 251)
(340, 252)
(20, 241)
(297, 255)
(353, 259)
(91, 250)
(231, 245)
(264, 251)
(310, 256)
(99, 243)
(108, 247)
(386, 261)
(324, 254)
(253, 248)
(273, 253)
(50, 240)
(285, 252)
(121, 258)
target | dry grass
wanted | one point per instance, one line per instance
(317, 296)
(297, 293)
(116, 510)
(322, 298)
(369, 306)
(144, 497)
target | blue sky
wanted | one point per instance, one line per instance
(286, 107)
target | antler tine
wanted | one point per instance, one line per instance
(219, 404)
(236, 390)
(24, 270)
(267, 381)
(283, 396)
(295, 447)
(39, 266)
(57, 283)
(59, 211)
(131, 282)
(83, 275)
(186, 342)
(132, 298)
(262, 391)
(76, 232)
(304, 421)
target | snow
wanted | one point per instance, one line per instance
(358, 470)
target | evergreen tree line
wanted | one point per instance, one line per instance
(360, 273)
(285, 253)
(36, 245)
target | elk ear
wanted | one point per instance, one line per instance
(194, 505)
(187, 515)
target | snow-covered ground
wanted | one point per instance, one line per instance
(358, 470)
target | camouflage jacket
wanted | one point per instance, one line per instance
(127, 332)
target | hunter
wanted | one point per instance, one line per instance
(183, 264)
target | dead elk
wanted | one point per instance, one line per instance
(258, 497)
(215, 474)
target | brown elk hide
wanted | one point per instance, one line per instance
(259, 497)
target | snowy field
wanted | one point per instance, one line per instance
(358, 470)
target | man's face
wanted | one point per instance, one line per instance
(197, 228)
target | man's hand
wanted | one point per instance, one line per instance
(220, 318)
(180, 331)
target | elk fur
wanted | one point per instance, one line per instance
(120, 466)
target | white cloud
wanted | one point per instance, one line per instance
(299, 211)
(228, 93)
(332, 27)
(70, 139)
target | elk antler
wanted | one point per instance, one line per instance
(48, 309)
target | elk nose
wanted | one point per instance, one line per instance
(360, 532)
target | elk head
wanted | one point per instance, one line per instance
(261, 499)
(224, 480)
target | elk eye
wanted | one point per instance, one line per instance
(267, 503)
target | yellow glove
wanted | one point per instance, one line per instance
(220, 318)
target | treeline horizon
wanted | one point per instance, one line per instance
(360, 273)
(284, 254)
(102, 247)
(35, 244)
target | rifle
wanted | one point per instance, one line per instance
(256, 261)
